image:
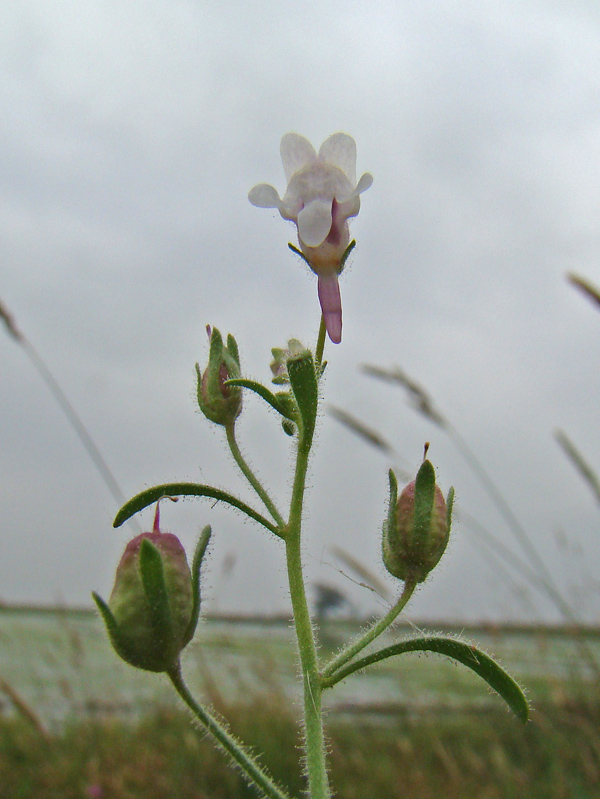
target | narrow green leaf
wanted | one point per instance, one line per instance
(298, 252)
(390, 545)
(153, 580)
(390, 526)
(215, 349)
(107, 616)
(393, 488)
(233, 348)
(347, 252)
(424, 499)
(199, 553)
(449, 506)
(303, 380)
(289, 428)
(468, 655)
(262, 391)
(152, 495)
(112, 628)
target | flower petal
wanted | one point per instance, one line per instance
(331, 305)
(348, 208)
(340, 150)
(319, 181)
(363, 184)
(296, 153)
(264, 196)
(314, 222)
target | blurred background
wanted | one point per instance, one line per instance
(130, 136)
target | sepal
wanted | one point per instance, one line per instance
(199, 554)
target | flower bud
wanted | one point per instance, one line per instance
(220, 403)
(417, 528)
(153, 608)
(280, 359)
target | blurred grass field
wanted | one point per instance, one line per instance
(77, 722)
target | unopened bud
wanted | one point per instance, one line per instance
(280, 359)
(415, 534)
(220, 403)
(153, 608)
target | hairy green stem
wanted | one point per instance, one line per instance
(250, 476)
(371, 634)
(320, 342)
(318, 783)
(244, 760)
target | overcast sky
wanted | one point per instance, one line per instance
(131, 133)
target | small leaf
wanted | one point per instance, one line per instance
(468, 655)
(153, 580)
(263, 392)
(303, 380)
(298, 252)
(389, 542)
(233, 348)
(347, 252)
(289, 428)
(152, 495)
(112, 628)
(449, 506)
(199, 553)
(390, 524)
(424, 499)
(107, 616)
(393, 488)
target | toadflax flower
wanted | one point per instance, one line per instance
(322, 194)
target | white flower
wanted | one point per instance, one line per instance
(322, 194)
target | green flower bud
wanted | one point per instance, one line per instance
(153, 608)
(280, 359)
(220, 403)
(415, 534)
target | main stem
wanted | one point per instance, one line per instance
(318, 783)
(320, 342)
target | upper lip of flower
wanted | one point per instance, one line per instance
(315, 180)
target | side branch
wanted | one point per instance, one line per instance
(254, 773)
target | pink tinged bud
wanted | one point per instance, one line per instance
(281, 357)
(417, 528)
(220, 403)
(145, 641)
(154, 606)
(331, 305)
